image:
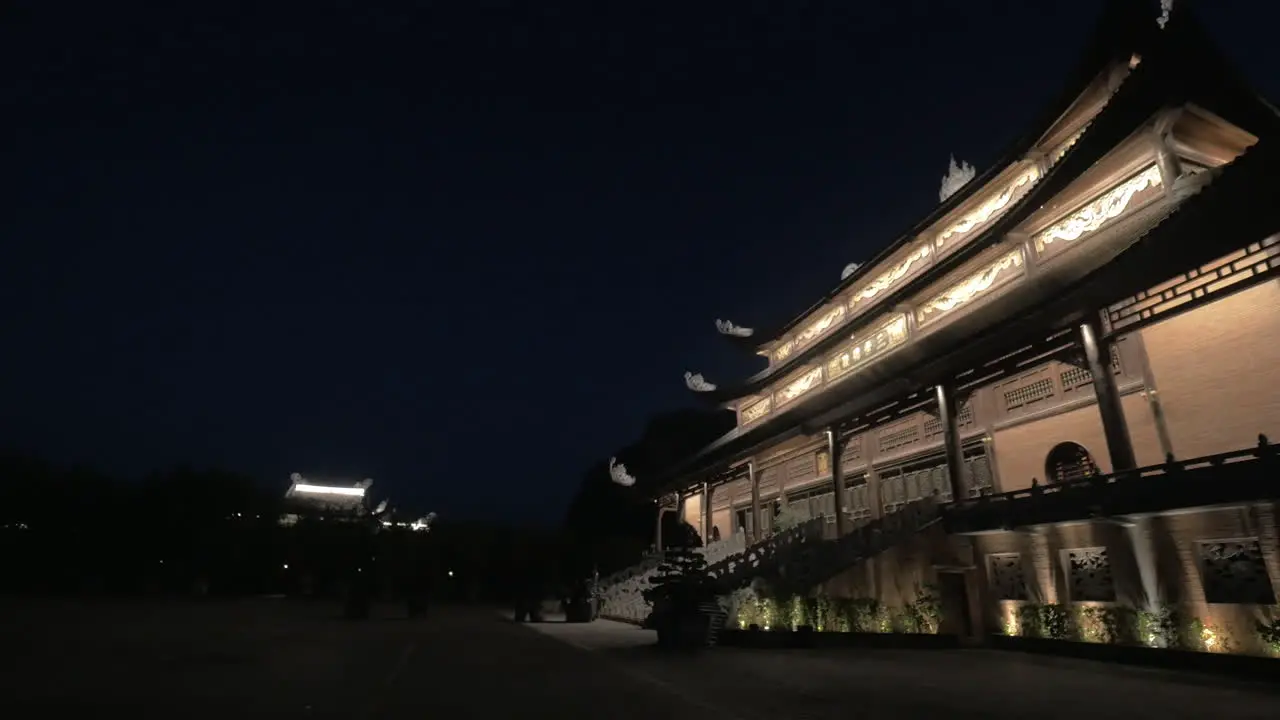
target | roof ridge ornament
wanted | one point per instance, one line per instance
(697, 383)
(727, 328)
(849, 269)
(1166, 7)
(618, 473)
(958, 174)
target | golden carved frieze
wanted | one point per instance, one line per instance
(906, 267)
(756, 410)
(783, 351)
(824, 323)
(1009, 267)
(1110, 205)
(811, 379)
(866, 348)
(994, 206)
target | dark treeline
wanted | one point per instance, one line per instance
(608, 526)
(187, 531)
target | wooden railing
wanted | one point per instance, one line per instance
(1233, 477)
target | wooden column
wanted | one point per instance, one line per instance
(1098, 354)
(706, 513)
(755, 500)
(947, 414)
(835, 450)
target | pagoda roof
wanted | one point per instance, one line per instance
(1240, 206)
(1180, 64)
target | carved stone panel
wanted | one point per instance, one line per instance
(1089, 576)
(1007, 579)
(1234, 572)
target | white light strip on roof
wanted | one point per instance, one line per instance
(322, 490)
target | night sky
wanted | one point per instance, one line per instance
(464, 248)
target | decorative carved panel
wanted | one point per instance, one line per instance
(867, 348)
(1089, 575)
(1007, 579)
(993, 208)
(1004, 270)
(824, 463)
(1126, 196)
(756, 410)
(809, 380)
(1234, 572)
(866, 295)
(819, 328)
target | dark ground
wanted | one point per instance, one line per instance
(281, 659)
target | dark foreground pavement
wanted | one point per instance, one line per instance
(280, 659)
(275, 658)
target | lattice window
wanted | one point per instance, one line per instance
(901, 486)
(979, 474)
(1029, 394)
(1069, 461)
(899, 437)
(1077, 378)
(1074, 378)
(1240, 269)
(1007, 579)
(933, 426)
(1089, 575)
(1234, 572)
(859, 498)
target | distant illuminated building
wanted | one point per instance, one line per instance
(325, 497)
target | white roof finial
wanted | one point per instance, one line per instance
(697, 383)
(957, 175)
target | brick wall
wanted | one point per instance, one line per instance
(1217, 370)
(1021, 449)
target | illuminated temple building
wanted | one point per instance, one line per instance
(1009, 403)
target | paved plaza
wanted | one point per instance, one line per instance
(278, 658)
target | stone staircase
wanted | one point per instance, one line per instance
(799, 559)
(622, 594)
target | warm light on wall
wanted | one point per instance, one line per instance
(991, 207)
(977, 284)
(323, 490)
(1099, 212)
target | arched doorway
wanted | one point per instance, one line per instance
(1069, 461)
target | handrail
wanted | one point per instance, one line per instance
(1264, 450)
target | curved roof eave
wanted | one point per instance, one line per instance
(1121, 30)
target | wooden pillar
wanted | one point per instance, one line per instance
(1098, 354)
(706, 513)
(835, 451)
(947, 414)
(755, 500)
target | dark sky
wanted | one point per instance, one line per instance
(467, 247)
